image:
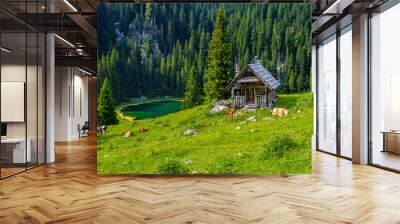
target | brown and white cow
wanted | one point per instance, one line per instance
(280, 112)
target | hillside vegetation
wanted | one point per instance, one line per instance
(223, 144)
(150, 49)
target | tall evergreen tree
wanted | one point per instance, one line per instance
(192, 96)
(219, 69)
(300, 83)
(105, 109)
(292, 81)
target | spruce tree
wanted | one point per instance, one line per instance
(191, 97)
(105, 109)
(219, 70)
(300, 83)
(292, 81)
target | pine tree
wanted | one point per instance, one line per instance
(148, 13)
(192, 90)
(300, 83)
(219, 69)
(292, 81)
(105, 109)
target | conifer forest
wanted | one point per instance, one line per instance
(157, 50)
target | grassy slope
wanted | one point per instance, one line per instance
(218, 148)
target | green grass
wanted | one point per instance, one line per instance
(270, 145)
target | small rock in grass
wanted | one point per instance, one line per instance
(237, 128)
(128, 134)
(194, 172)
(252, 119)
(217, 108)
(242, 123)
(189, 132)
(188, 161)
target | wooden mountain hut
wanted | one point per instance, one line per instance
(254, 86)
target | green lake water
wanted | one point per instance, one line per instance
(153, 109)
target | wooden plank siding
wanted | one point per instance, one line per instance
(239, 101)
(261, 101)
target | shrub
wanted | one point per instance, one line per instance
(304, 102)
(278, 146)
(225, 165)
(179, 153)
(139, 139)
(153, 153)
(171, 166)
(112, 146)
(162, 138)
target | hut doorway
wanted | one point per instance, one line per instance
(250, 95)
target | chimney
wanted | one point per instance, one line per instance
(237, 70)
(255, 60)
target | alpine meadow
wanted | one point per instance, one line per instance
(208, 88)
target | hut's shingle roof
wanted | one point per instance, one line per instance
(261, 73)
(265, 75)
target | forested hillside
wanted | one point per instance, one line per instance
(150, 49)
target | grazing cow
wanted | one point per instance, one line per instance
(230, 112)
(280, 112)
(101, 129)
(143, 130)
